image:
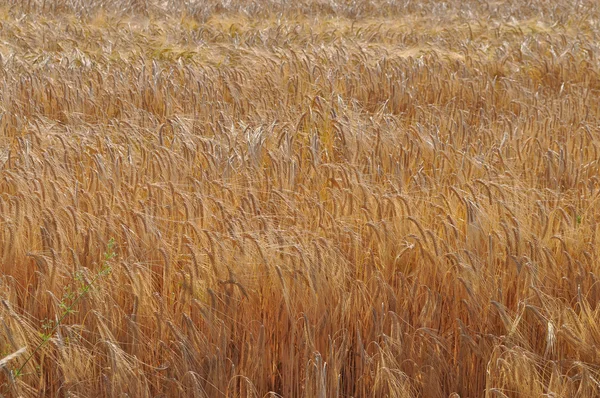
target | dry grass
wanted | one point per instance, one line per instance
(308, 199)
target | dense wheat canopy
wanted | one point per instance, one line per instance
(299, 198)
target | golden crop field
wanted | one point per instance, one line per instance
(313, 198)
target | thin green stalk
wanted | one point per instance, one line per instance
(108, 255)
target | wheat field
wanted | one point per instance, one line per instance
(334, 198)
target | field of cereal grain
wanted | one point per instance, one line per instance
(235, 198)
